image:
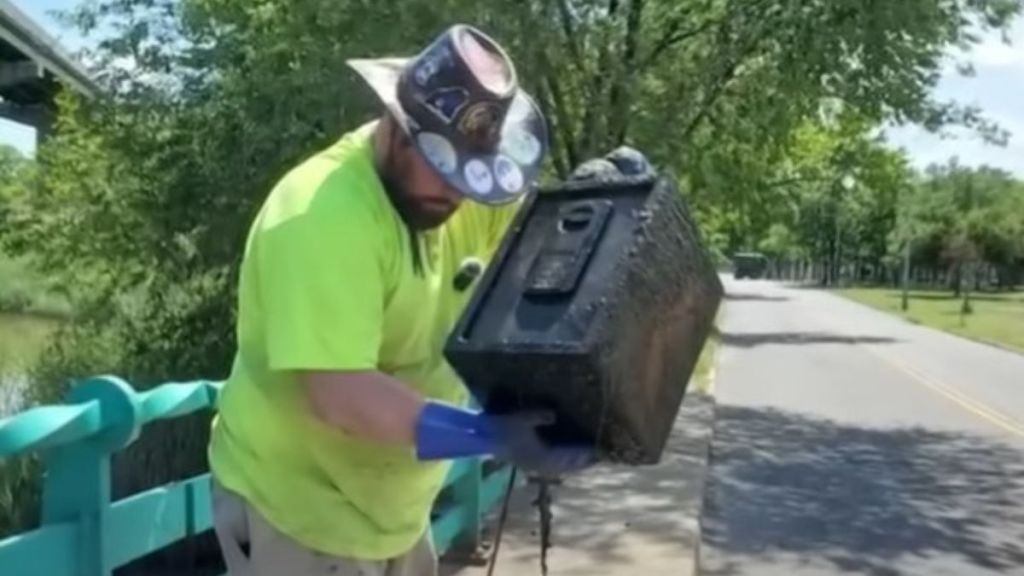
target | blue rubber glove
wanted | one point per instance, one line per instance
(445, 432)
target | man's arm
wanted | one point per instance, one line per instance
(322, 282)
(367, 404)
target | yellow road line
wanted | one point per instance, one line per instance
(976, 407)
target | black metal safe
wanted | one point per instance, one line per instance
(596, 306)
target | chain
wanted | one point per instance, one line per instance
(501, 522)
(544, 506)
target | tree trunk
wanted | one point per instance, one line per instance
(966, 307)
(905, 301)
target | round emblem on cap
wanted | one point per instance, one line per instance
(521, 145)
(480, 123)
(438, 150)
(478, 176)
(519, 110)
(508, 175)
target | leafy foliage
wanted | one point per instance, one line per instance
(965, 216)
(143, 198)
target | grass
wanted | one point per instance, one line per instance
(22, 338)
(997, 318)
(28, 315)
(704, 372)
(22, 290)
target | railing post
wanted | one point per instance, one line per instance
(467, 496)
(76, 489)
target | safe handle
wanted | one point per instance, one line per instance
(567, 248)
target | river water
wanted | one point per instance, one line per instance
(22, 338)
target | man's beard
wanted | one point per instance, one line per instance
(410, 210)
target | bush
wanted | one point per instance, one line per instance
(20, 501)
(24, 291)
(15, 292)
(177, 332)
(14, 300)
(75, 350)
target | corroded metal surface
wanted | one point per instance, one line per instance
(596, 306)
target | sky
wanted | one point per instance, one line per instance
(996, 88)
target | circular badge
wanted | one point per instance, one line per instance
(438, 150)
(478, 176)
(508, 174)
(520, 144)
(519, 110)
(481, 123)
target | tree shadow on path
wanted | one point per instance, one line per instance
(752, 339)
(786, 489)
(614, 520)
(753, 297)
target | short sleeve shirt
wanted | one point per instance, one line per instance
(327, 283)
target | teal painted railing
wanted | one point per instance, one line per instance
(84, 533)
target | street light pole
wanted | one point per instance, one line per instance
(906, 230)
(848, 182)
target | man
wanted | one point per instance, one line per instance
(340, 413)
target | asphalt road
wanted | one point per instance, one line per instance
(850, 442)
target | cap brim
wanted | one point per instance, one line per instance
(494, 179)
(381, 75)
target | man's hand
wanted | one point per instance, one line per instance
(445, 431)
(517, 442)
(377, 407)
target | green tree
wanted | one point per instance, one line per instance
(836, 188)
(15, 170)
(11, 159)
(145, 195)
(966, 220)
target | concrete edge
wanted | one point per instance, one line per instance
(708, 396)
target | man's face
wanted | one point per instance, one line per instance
(420, 195)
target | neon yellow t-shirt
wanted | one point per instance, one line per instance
(327, 282)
